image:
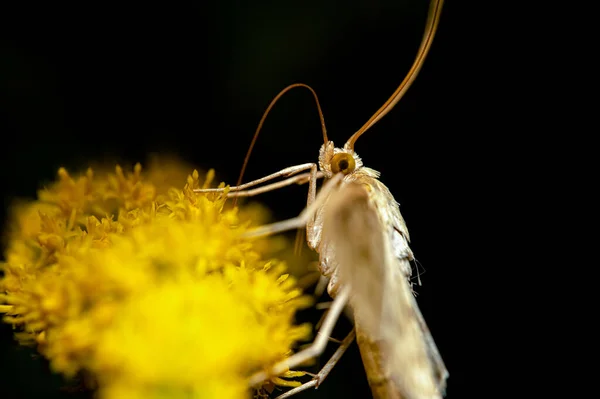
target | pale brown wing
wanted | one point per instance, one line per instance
(382, 386)
(388, 211)
(381, 298)
(389, 215)
(354, 240)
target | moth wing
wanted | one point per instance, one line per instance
(381, 297)
(352, 230)
(440, 371)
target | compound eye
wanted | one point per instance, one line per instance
(342, 162)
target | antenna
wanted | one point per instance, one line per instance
(433, 18)
(262, 121)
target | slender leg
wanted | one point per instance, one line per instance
(324, 372)
(305, 216)
(321, 319)
(316, 347)
(308, 279)
(321, 286)
(312, 194)
(298, 179)
(298, 242)
(323, 305)
(287, 172)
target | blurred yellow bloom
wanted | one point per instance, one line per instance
(148, 287)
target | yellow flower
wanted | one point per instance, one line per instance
(151, 290)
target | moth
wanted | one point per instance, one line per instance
(355, 225)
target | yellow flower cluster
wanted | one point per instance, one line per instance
(150, 289)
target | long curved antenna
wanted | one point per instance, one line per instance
(433, 18)
(262, 121)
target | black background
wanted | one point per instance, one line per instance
(82, 83)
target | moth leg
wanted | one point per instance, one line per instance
(312, 194)
(298, 179)
(316, 348)
(301, 220)
(325, 370)
(314, 174)
(321, 286)
(287, 172)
